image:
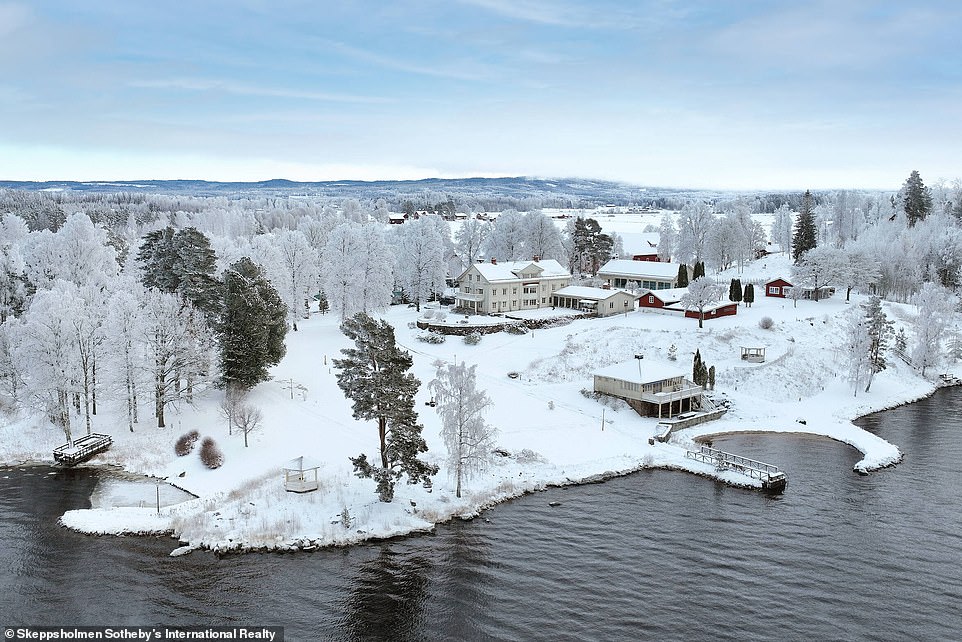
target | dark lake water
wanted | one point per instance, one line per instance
(655, 555)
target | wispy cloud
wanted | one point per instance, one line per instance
(464, 70)
(592, 15)
(202, 84)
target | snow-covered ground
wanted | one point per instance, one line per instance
(552, 433)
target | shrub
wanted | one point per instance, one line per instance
(431, 337)
(210, 454)
(441, 315)
(428, 314)
(766, 323)
(185, 445)
(517, 328)
(472, 338)
(345, 518)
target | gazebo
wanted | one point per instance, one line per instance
(753, 354)
(300, 475)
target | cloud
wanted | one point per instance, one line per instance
(464, 70)
(593, 15)
(201, 84)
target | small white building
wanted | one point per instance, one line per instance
(496, 287)
(649, 275)
(600, 301)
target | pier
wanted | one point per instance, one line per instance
(82, 449)
(771, 477)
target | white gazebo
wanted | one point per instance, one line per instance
(753, 354)
(300, 475)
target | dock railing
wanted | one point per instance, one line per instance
(767, 473)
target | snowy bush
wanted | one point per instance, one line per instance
(517, 328)
(428, 314)
(672, 352)
(345, 517)
(441, 315)
(185, 445)
(472, 338)
(431, 337)
(210, 454)
(766, 323)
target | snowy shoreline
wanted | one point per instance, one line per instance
(551, 433)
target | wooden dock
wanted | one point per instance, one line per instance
(82, 449)
(771, 477)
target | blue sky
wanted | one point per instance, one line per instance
(724, 94)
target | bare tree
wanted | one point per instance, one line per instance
(247, 418)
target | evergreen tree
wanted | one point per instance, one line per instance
(682, 276)
(374, 375)
(711, 378)
(157, 258)
(879, 330)
(804, 237)
(181, 262)
(749, 296)
(699, 270)
(322, 305)
(696, 365)
(916, 199)
(590, 246)
(252, 328)
(735, 290)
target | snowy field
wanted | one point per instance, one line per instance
(552, 433)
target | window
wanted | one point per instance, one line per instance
(611, 304)
(651, 299)
(514, 290)
(504, 291)
(544, 300)
(773, 289)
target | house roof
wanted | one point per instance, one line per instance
(640, 269)
(591, 294)
(671, 295)
(778, 280)
(641, 371)
(640, 242)
(509, 270)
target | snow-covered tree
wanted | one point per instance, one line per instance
(374, 376)
(667, 238)
(857, 346)
(819, 267)
(125, 362)
(859, 270)
(936, 317)
(694, 225)
(782, 227)
(419, 260)
(542, 238)
(375, 270)
(506, 240)
(78, 252)
(702, 292)
(467, 436)
(340, 272)
(252, 328)
(878, 327)
(291, 266)
(916, 198)
(804, 238)
(470, 239)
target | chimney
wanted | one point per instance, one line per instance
(494, 261)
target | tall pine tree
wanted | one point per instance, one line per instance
(374, 375)
(682, 276)
(804, 237)
(252, 326)
(916, 198)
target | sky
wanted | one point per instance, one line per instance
(744, 94)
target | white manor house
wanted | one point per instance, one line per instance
(492, 288)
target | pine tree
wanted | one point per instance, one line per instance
(916, 199)
(749, 296)
(252, 328)
(374, 375)
(738, 291)
(696, 365)
(682, 276)
(194, 269)
(804, 237)
(699, 270)
(879, 330)
(711, 378)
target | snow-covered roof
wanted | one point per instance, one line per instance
(510, 270)
(708, 306)
(640, 242)
(669, 295)
(641, 371)
(591, 294)
(640, 269)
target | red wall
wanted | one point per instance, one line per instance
(724, 311)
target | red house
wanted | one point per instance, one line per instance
(661, 298)
(776, 287)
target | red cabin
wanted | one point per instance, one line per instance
(777, 287)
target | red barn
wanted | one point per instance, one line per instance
(776, 287)
(720, 309)
(661, 298)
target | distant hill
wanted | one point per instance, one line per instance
(585, 190)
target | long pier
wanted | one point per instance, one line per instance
(770, 476)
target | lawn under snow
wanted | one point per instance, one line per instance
(554, 434)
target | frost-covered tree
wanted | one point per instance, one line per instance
(804, 237)
(857, 346)
(916, 199)
(78, 252)
(702, 292)
(340, 277)
(125, 362)
(291, 266)
(13, 281)
(542, 238)
(936, 316)
(667, 238)
(506, 240)
(694, 225)
(782, 228)
(470, 239)
(419, 260)
(374, 376)
(375, 270)
(859, 270)
(819, 267)
(252, 328)
(468, 437)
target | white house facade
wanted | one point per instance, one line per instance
(497, 287)
(598, 301)
(649, 275)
